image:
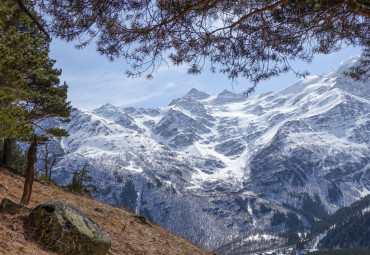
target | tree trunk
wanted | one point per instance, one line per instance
(52, 165)
(30, 171)
(7, 154)
(46, 162)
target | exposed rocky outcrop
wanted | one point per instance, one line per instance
(64, 229)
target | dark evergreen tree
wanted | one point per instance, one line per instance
(30, 89)
(264, 209)
(293, 223)
(278, 219)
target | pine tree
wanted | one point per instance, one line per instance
(30, 90)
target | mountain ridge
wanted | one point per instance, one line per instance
(215, 161)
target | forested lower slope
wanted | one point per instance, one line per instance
(349, 227)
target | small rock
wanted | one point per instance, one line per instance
(141, 219)
(101, 210)
(9, 206)
(66, 230)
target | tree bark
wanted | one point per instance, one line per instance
(30, 171)
(7, 154)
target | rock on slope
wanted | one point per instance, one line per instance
(130, 235)
(215, 169)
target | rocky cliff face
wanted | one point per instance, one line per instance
(219, 170)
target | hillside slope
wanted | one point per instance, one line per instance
(129, 234)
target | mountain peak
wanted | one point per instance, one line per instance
(225, 92)
(226, 97)
(106, 107)
(196, 94)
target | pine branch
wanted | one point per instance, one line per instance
(37, 23)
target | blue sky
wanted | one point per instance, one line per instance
(94, 81)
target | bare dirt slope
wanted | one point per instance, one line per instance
(130, 235)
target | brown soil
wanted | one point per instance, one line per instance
(130, 235)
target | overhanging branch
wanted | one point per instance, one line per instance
(183, 13)
(261, 10)
(37, 23)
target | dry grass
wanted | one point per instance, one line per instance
(129, 234)
(12, 240)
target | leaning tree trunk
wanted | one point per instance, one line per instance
(7, 154)
(30, 171)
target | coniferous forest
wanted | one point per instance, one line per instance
(347, 228)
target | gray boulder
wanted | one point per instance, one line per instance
(9, 206)
(64, 229)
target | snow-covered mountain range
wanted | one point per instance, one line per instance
(219, 170)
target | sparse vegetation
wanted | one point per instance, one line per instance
(129, 234)
(78, 183)
(50, 159)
